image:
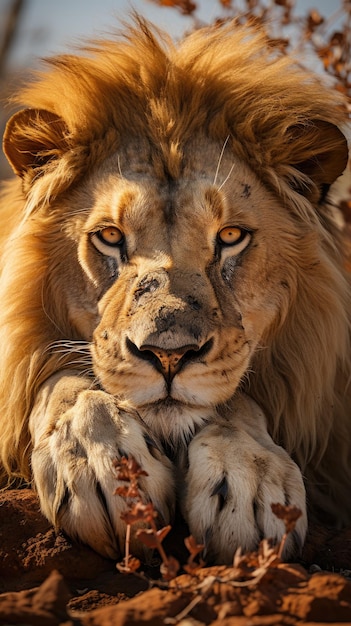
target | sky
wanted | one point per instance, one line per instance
(48, 27)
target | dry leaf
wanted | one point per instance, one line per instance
(170, 568)
(132, 565)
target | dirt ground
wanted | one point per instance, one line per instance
(46, 580)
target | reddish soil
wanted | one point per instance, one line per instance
(45, 580)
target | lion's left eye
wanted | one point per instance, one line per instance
(231, 235)
(234, 236)
(110, 241)
(232, 240)
(111, 235)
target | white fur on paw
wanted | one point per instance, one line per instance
(76, 480)
(231, 483)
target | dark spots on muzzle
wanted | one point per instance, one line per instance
(146, 285)
(195, 331)
(246, 193)
(165, 320)
(193, 303)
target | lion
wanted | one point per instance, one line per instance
(173, 289)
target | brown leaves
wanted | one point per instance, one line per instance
(187, 7)
(128, 566)
(289, 515)
(314, 19)
(153, 538)
(335, 56)
(138, 512)
(194, 549)
(128, 469)
(169, 568)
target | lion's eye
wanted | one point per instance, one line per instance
(230, 235)
(232, 240)
(110, 235)
(233, 235)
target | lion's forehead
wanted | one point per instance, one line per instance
(211, 191)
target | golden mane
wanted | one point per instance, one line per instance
(219, 82)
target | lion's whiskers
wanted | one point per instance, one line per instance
(220, 159)
(47, 314)
(70, 345)
(119, 166)
(82, 211)
(78, 350)
(227, 178)
(88, 373)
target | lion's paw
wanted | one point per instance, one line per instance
(231, 483)
(76, 480)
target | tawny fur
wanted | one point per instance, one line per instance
(227, 85)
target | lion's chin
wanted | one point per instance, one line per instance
(174, 421)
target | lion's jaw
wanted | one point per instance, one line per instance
(180, 314)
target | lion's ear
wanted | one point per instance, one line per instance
(32, 138)
(320, 152)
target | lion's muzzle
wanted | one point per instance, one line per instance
(165, 324)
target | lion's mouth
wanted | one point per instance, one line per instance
(168, 403)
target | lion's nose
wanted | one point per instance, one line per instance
(170, 361)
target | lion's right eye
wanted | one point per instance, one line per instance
(110, 241)
(233, 240)
(111, 236)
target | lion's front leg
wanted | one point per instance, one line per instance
(235, 473)
(77, 433)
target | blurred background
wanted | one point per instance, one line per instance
(319, 32)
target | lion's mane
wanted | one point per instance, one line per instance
(221, 81)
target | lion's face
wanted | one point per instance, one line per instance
(186, 284)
